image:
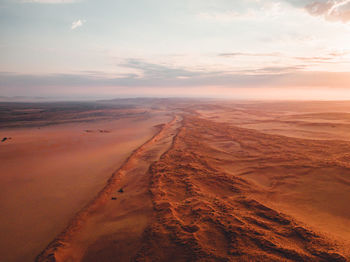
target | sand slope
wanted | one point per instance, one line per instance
(205, 214)
(110, 227)
(48, 173)
(194, 193)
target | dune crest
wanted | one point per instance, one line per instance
(185, 197)
(118, 214)
(205, 214)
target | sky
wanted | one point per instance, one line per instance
(246, 49)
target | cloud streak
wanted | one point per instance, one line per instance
(77, 23)
(234, 54)
(158, 75)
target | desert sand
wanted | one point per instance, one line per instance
(216, 181)
(50, 170)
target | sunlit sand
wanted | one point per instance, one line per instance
(188, 180)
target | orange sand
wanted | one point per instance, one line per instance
(222, 181)
(48, 174)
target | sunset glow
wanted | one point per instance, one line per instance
(57, 48)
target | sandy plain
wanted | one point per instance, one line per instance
(218, 181)
(55, 164)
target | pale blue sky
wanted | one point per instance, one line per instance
(90, 48)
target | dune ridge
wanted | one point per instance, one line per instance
(62, 240)
(198, 204)
(205, 214)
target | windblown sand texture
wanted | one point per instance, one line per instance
(205, 190)
(235, 181)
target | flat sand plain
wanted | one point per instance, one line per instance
(50, 171)
(222, 181)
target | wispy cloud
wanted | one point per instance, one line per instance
(274, 70)
(260, 10)
(151, 74)
(331, 10)
(158, 71)
(314, 59)
(271, 76)
(325, 58)
(274, 54)
(330, 57)
(77, 23)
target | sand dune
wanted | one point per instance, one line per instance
(234, 182)
(111, 226)
(210, 191)
(204, 213)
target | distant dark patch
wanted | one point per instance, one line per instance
(103, 131)
(98, 130)
(4, 139)
(114, 198)
(121, 190)
(43, 114)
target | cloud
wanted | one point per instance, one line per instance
(251, 10)
(152, 75)
(330, 57)
(77, 23)
(314, 59)
(12, 84)
(275, 70)
(326, 58)
(234, 54)
(157, 71)
(331, 10)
